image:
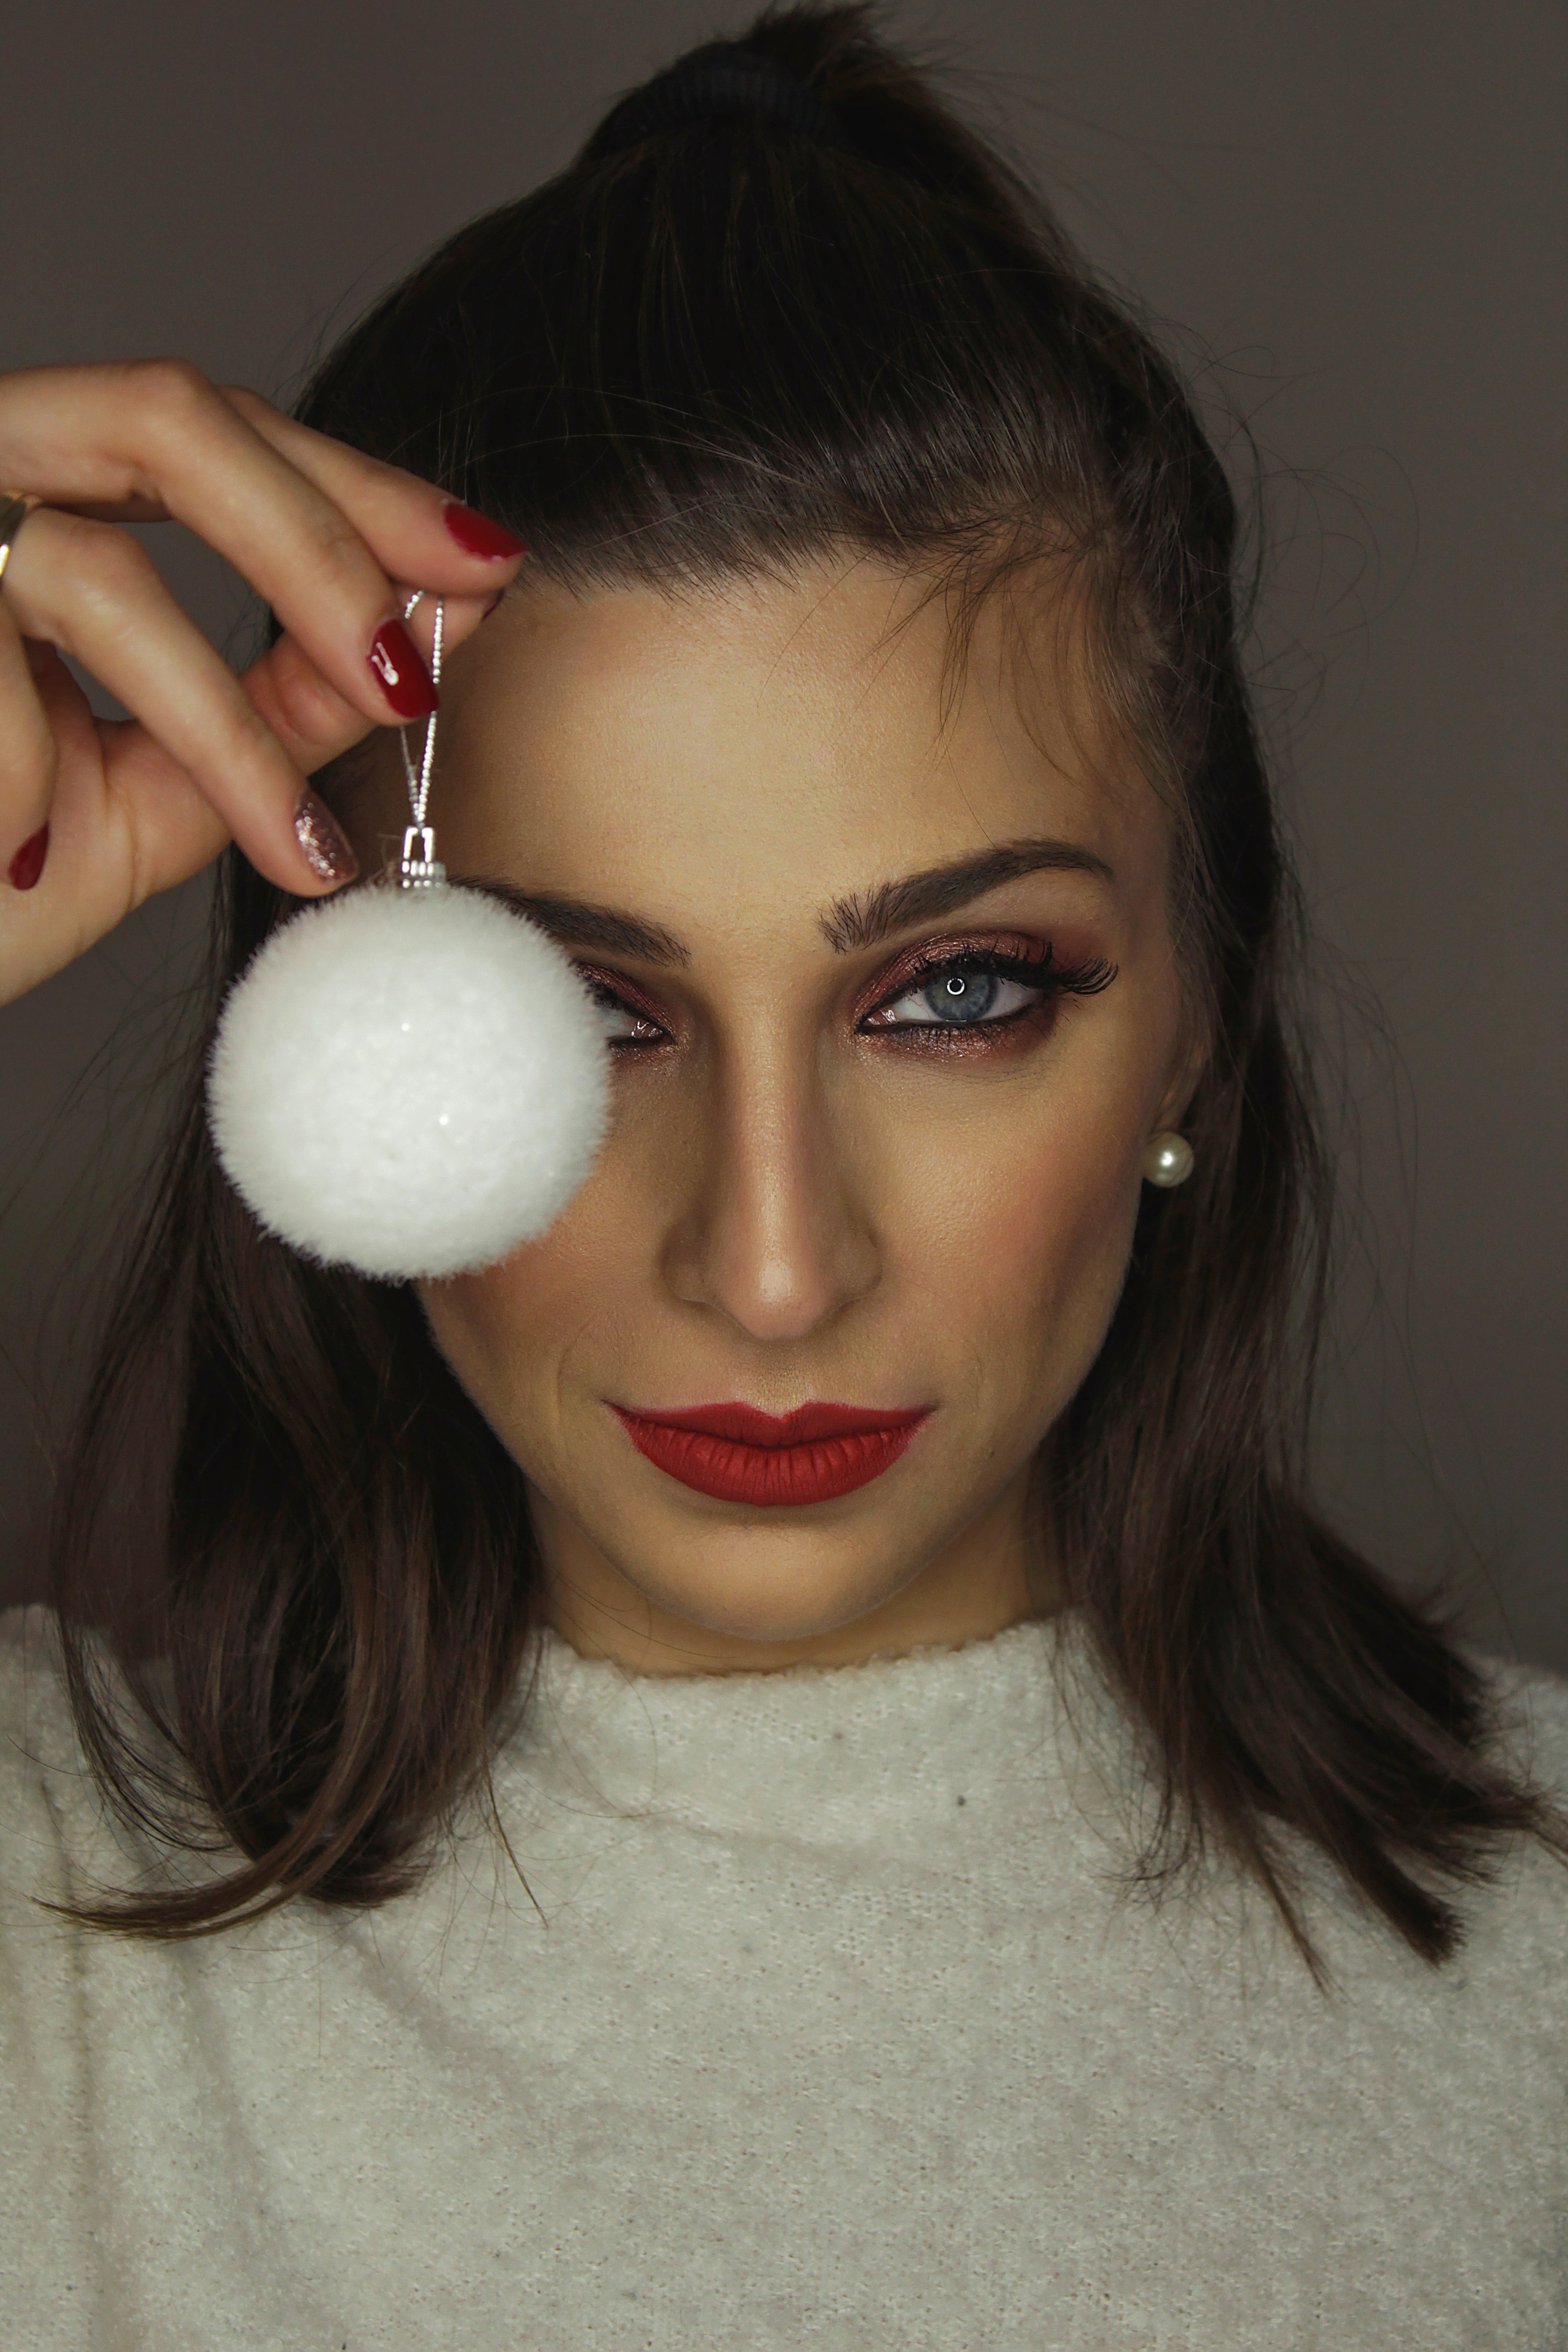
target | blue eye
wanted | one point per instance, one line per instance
(960, 997)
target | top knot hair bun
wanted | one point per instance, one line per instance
(725, 77)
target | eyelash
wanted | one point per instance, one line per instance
(1040, 974)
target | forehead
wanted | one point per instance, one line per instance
(797, 735)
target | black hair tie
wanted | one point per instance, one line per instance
(725, 77)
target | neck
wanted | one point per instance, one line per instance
(993, 1575)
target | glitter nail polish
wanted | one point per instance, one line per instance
(323, 841)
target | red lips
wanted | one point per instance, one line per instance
(741, 1455)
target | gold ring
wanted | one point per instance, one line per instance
(15, 506)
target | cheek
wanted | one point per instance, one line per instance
(1019, 1245)
(508, 1333)
(585, 1300)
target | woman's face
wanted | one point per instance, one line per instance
(896, 1010)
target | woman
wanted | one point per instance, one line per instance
(619, 1800)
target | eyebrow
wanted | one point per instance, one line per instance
(858, 922)
(862, 921)
(577, 923)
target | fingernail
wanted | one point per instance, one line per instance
(28, 863)
(323, 840)
(476, 534)
(404, 680)
(491, 607)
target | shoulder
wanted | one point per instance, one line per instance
(33, 1692)
(1515, 1920)
(41, 1761)
(47, 1809)
(56, 1827)
(1532, 1708)
(38, 1728)
(40, 1766)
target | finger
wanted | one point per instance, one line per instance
(68, 434)
(128, 821)
(125, 821)
(92, 591)
(180, 443)
(417, 531)
(27, 745)
(304, 710)
(158, 430)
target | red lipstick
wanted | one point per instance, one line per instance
(741, 1455)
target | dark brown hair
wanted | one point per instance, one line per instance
(731, 336)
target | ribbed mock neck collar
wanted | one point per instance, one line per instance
(817, 1751)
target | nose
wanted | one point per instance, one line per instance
(771, 1231)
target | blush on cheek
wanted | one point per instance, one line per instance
(547, 1286)
(495, 1330)
(509, 1333)
(1042, 1275)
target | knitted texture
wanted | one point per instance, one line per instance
(835, 2025)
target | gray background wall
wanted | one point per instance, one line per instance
(1352, 216)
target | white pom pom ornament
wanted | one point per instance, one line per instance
(412, 1080)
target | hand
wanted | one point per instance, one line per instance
(327, 536)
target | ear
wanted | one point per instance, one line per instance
(1189, 1060)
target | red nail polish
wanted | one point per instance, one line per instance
(476, 534)
(28, 862)
(403, 677)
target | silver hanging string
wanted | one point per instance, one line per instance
(420, 868)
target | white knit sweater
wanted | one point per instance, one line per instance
(836, 2030)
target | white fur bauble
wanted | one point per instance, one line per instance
(408, 1082)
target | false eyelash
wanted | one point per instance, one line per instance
(1085, 980)
(612, 1000)
(616, 1000)
(1041, 972)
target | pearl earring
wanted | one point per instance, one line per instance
(1167, 1160)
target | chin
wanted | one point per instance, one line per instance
(770, 1586)
(768, 1617)
(787, 1577)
